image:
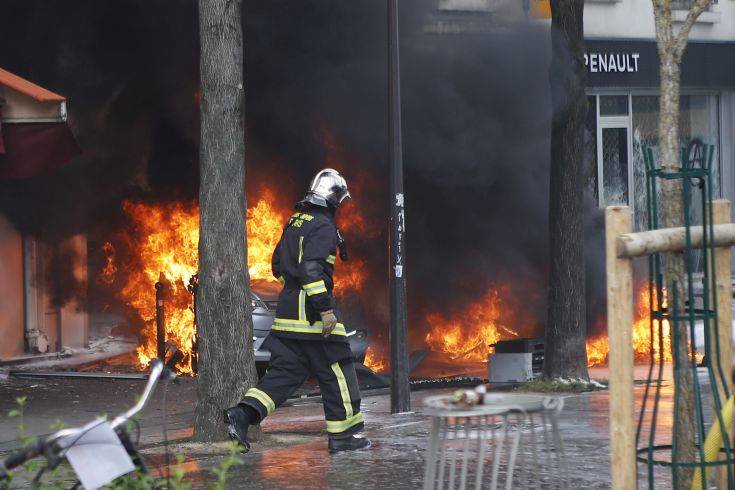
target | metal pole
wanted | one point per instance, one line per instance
(160, 322)
(400, 395)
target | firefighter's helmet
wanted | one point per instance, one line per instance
(328, 189)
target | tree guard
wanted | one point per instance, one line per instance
(705, 311)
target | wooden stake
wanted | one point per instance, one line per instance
(723, 277)
(671, 240)
(620, 358)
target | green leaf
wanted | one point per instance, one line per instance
(5, 484)
(14, 413)
(26, 441)
(32, 465)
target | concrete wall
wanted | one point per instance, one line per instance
(603, 19)
(11, 291)
(633, 19)
(67, 326)
(40, 315)
(74, 317)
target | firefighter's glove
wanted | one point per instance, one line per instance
(329, 321)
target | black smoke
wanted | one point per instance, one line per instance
(476, 120)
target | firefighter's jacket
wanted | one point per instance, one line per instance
(303, 262)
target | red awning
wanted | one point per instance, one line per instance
(28, 88)
(31, 149)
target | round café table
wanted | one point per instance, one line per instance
(510, 441)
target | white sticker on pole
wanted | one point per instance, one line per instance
(399, 271)
(97, 455)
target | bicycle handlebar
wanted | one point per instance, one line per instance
(37, 448)
(157, 369)
(21, 456)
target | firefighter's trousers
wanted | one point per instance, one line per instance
(292, 360)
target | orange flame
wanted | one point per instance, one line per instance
(375, 360)
(164, 238)
(485, 322)
(470, 335)
(265, 225)
(108, 272)
(598, 348)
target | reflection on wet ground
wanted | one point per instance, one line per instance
(293, 452)
(400, 442)
(396, 459)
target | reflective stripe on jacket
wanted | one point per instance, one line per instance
(304, 263)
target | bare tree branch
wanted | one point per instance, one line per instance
(683, 35)
(660, 5)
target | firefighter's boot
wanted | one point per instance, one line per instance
(237, 421)
(348, 444)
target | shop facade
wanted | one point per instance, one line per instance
(622, 89)
(34, 140)
(622, 62)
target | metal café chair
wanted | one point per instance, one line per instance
(510, 441)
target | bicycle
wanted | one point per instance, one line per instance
(55, 446)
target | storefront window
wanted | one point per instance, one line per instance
(645, 133)
(698, 119)
(590, 146)
(618, 127)
(614, 105)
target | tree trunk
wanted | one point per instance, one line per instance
(565, 350)
(671, 46)
(672, 216)
(226, 365)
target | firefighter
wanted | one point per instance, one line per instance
(307, 337)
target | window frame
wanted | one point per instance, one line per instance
(627, 122)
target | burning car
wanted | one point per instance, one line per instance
(264, 311)
(144, 253)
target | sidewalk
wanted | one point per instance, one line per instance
(293, 452)
(396, 459)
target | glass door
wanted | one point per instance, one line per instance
(614, 166)
(614, 179)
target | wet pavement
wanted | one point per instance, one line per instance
(293, 450)
(400, 442)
